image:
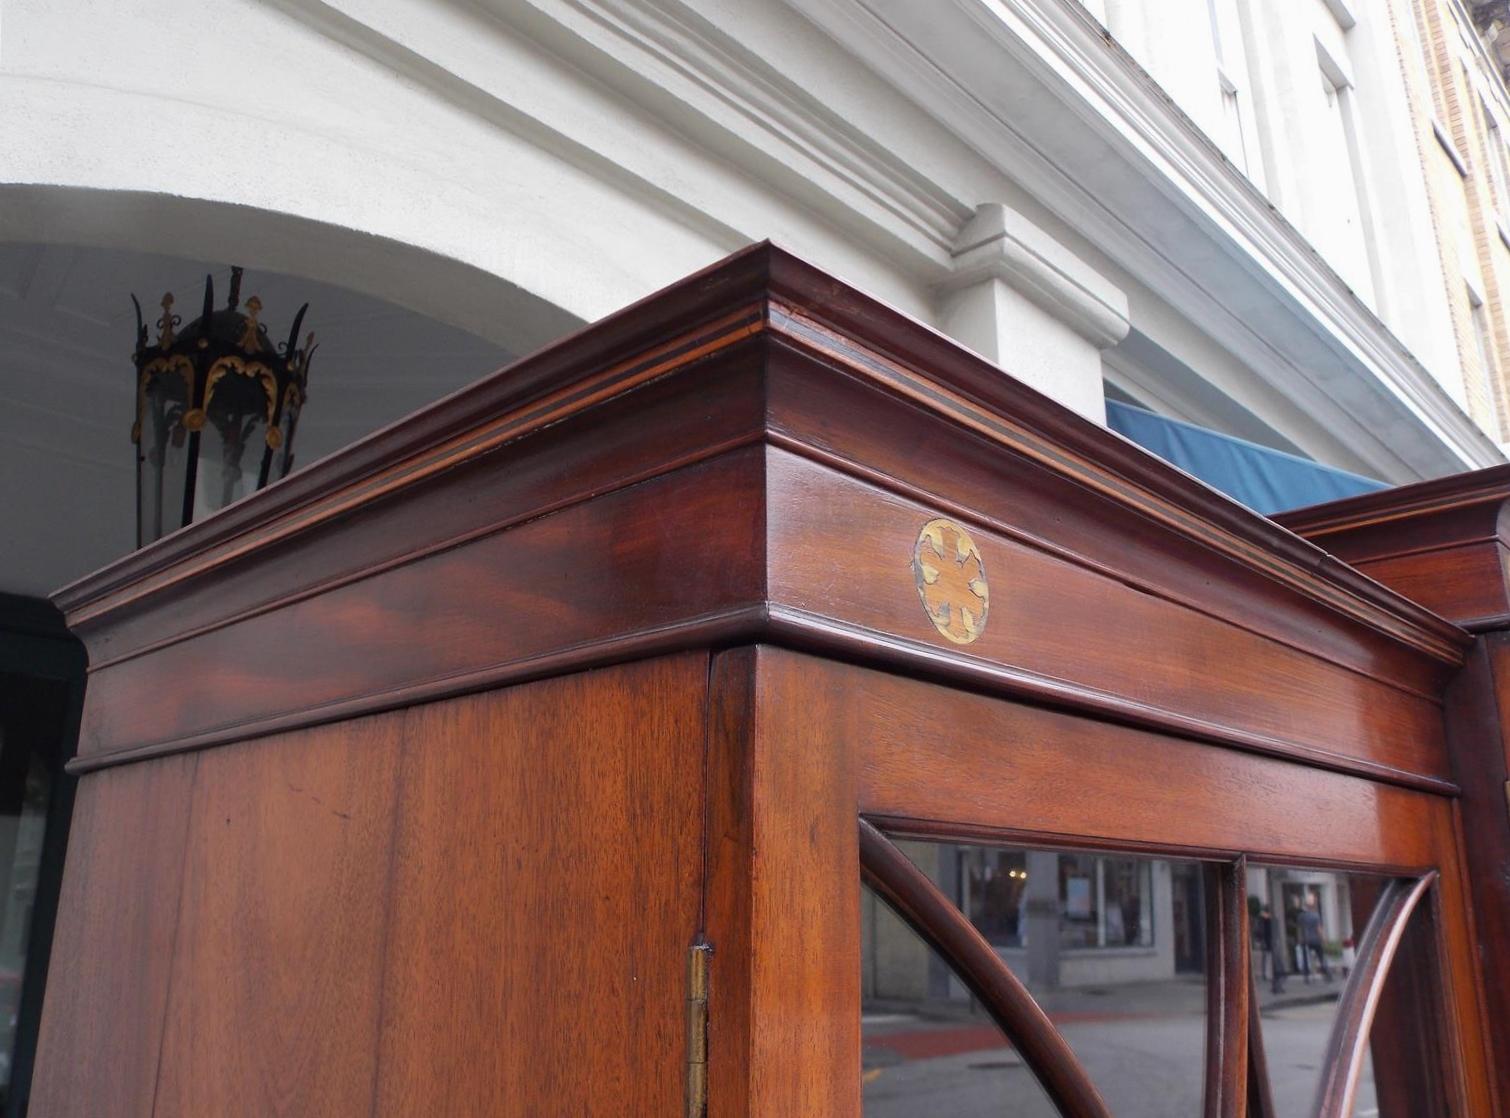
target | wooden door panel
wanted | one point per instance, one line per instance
(279, 956)
(545, 892)
(481, 906)
(108, 980)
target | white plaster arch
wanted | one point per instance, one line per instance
(324, 134)
(451, 291)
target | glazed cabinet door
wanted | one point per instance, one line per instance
(1002, 975)
(962, 905)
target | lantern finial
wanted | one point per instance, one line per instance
(166, 323)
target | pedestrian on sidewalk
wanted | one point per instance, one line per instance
(1264, 928)
(1308, 923)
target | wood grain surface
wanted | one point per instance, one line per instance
(839, 548)
(749, 457)
(113, 950)
(1008, 767)
(615, 571)
(1444, 543)
(783, 894)
(277, 970)
(1229, 985)
(477, 907)
(545, 891)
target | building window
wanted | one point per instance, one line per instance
(1349, 218)
(1224, 27)
(1450, 149)
(1480, 320)
(1498, 160)
(1126, 903)
(1232, 121)
(1104, 902)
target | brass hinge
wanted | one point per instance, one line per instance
(697, 1029)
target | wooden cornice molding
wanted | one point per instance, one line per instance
(1478, 488)
(1444, 542)
(695, 468)
(773, 291)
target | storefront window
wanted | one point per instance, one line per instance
(1080, 916)
(1127, 895)
(1102, 902)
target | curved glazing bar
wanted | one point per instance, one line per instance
(934, 917)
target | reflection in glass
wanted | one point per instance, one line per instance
(232, 442)
(1305, 926)
(23, 817)
(1112, 947)
(1405, 1041)
(926, 1048)
(162, 456)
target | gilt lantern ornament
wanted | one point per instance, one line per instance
(217, 404)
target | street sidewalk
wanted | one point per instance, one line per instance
(1178, 997)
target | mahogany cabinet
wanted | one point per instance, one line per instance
(526, 758)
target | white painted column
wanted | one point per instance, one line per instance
(1025, 302)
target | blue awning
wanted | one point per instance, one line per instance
(1266, 480)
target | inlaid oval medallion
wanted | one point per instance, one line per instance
(951, 579)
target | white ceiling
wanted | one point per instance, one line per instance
(67, 479)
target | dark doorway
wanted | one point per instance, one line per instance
(1189, 904)
(41, 693)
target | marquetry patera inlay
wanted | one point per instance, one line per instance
(951, 580)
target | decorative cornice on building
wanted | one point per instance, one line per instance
(678, 38)
(1000, 243)
(1332, 357)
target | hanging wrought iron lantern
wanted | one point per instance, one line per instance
(216, 407)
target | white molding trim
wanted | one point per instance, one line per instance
(786, 137)
(1000, 243)
(1336, 69)
(1342, 12)
(684, 46)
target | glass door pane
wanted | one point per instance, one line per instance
(1113, 948)
(1309, 927)
(924, 1049)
